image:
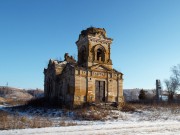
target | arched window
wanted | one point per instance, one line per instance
(100, 55)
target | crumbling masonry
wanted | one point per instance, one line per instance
(91, 78)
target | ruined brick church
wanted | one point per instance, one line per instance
(89, 79)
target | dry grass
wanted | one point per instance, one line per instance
(8, 121)
(12, 101)
(155, 105)
(92, 113)
(128, 108)
(63, 123)
(15, 102)
(164, 106)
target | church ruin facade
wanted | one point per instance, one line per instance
(89, 79)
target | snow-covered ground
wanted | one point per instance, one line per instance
(145, 120)
(106, 128)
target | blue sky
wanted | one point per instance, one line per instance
(146, 37)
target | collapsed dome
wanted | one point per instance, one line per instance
(93, 31)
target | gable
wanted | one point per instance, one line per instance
(99, 68)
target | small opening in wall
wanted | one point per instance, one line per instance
(100, 55)
(89, 78)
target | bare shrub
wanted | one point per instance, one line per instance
(62, 123)
(128, 108)
(3, 119)
(92, 113)
(35, 123)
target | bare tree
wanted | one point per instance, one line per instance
(173, 83)
(176, 73)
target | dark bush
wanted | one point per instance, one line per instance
(142, 95)
(44, 102)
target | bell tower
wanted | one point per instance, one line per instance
(94, 48)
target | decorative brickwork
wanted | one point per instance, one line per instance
(91, 78)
